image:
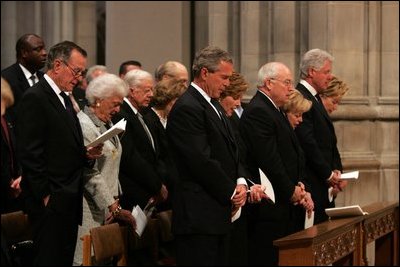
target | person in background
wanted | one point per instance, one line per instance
(270, 147)
(316, 133)
(232, 96)
(31, 58)
(101, 186)
(10, 169)
(230, 99)
(294, 109)
(331, 98)
(166, 92)
(127, 66)
(211, 188)
(79, 90)
(52, 155)
(172, 70)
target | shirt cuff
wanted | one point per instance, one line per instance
(241, 180)
(330, 177)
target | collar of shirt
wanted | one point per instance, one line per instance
(55, 88)
(27, 73)
(204, 94)
(309, 87)
(130, 105)
(270, 100)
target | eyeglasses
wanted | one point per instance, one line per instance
(75, 73)
(288, 83)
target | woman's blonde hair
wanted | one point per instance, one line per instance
(297, 103)
(165, 91)
(237, 86)
(336, 88)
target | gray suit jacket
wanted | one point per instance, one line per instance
(101, 182)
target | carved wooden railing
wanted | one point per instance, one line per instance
(343, 241)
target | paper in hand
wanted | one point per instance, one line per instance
(350, 175)
(113, 131)
(141, 219)
(309, 221)
(269, 190)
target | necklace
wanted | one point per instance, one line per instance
(162, 119)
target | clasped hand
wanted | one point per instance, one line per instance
(257, 193)
(239, 199)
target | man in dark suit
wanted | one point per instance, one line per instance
(211, 184)
(271, 146)
(140, 175)
(31, 57)
(52, 155)
(316, 133)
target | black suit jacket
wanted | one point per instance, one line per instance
(272, 146)
(51, 150)
(318, 139)
(167, 163)
(19, 84)
(208, 165)
(140, 174)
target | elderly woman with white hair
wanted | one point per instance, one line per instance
(101, 185)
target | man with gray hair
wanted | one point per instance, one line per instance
(142, 172)
(317, 134)
(172, 70)
(79, 92)
(271, 148)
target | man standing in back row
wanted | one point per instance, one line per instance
(31, 57)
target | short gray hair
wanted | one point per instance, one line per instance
(135, 77)
(169, 68)
(314, 58)
(209, 57)
(105, 86)
(92, 69)
(269, 70)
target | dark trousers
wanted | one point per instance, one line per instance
(202, 250)
(55, 231)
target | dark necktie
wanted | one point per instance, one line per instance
(33, 79)
(224, 120)
(68, 105)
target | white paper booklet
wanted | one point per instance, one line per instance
(269, 190)
(141, 219)
(350, 175)
(309, 221)
(346, 211)
(113, 131)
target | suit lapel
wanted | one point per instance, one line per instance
(215, 118)
(74, 126)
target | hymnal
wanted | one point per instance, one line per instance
(113, 131)
(346, 211)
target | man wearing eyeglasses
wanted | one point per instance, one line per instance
(53, 155)
(271, 147)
